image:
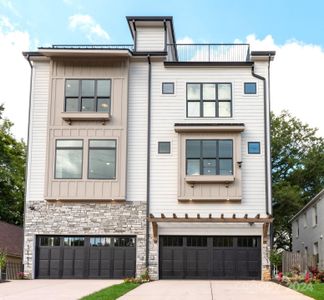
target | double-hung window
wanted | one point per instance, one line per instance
(87, 95)
(209, 100)
(102, 159)
(68, 162)
(209, 157)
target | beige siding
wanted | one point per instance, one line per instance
(137, 131)
(150, 38)
(38, 132)
(170, 109)
(115, 128)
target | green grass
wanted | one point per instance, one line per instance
(317, 292)
(113, 292)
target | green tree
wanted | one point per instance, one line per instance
(12, 174)
(297, 171)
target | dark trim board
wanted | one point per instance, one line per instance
(210, 257)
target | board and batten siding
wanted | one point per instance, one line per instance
(38, 131)
(137, 131)
(150, 38)
(170, 109)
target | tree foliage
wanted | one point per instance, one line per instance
(12, 174)
(297, 171)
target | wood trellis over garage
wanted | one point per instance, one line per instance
(186, 219)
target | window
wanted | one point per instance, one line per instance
(314, 215)
(68, 162)
(254, 148)
(172, 241)
(50, 241)
(164, 148)
(87, 95)
(247, 242)
(209, 100)
(305, 220)
(124, 242)
(249, 88)
(72, 241)
(102, 159)
(209, 157)
(197, 241)
(316, 254)
(100, 241)
(297, 229)
(223, 241)
(167, 87)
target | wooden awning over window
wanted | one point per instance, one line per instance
(210, 219)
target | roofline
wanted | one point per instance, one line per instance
(151, 18)
(263, 53)
(310, 203)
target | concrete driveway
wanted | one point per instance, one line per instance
(212, 290)
(51, 289)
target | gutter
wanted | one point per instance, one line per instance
(148, 170)
(266, 118)
(27, 150)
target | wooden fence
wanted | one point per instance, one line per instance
(12, 270)
(293, 261)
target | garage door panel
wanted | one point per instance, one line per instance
(219, 257)
(85, 257)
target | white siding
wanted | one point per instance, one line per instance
(310, 234)
(170, 109)
(38, 132)
(137, 131)
(149, 39)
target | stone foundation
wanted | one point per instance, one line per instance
(85, 218)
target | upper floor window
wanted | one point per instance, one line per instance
(68, 160)
(305, 220)
(209, 100)
(87, 95)
(102, 159)
(209, 157)
(314, 215)
(297, 229)
(250, 88)
(167, 87)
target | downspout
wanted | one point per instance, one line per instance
(148, 170)
(27, 148)
(265, 136)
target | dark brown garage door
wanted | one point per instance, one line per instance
(85, 257)
(212, 257)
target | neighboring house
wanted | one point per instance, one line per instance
(11, 241)
(153, 155)
(308, 229)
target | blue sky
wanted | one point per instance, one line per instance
(294, 29)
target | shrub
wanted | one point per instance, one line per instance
(320, 276)
(144, 277)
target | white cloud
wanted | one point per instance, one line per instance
(185, 40)
(8, 4)
(86, 24)
(297, 74)
(14, 75)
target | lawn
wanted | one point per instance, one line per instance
(317, 292)
(113, 292)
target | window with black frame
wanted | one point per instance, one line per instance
(102, 159)
(209, 157)
(209, 100)
(87, 95)
(68, 159)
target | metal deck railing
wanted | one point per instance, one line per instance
(209, 52)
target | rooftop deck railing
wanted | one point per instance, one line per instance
(184, 52)
(209, 52)
(93, 47)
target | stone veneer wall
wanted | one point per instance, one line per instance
(84, 218)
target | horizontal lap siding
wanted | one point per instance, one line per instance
(167, 110)
(150, 39)
(137, 131)
(38, 132)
